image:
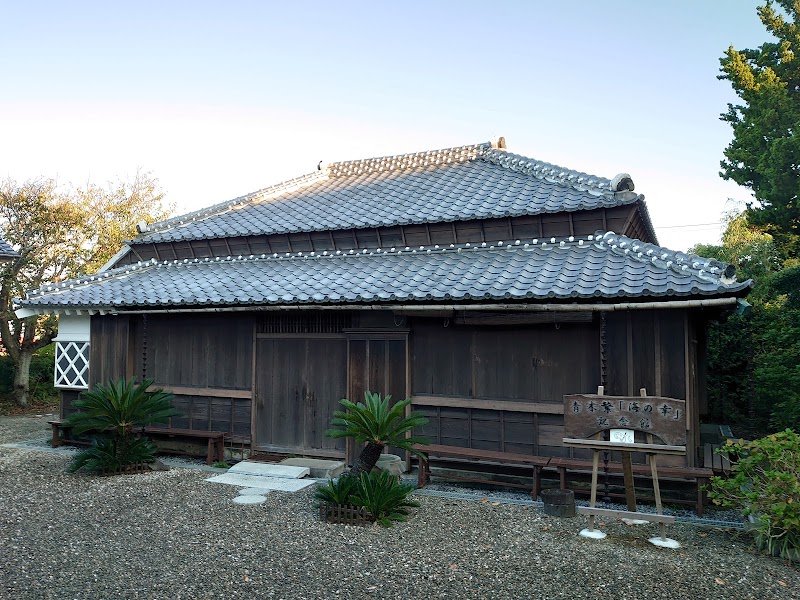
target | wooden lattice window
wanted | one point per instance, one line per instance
(72, 365)
(329, 322)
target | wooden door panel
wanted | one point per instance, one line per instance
(326, 384)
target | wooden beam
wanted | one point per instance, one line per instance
(549, 408)
(624, 514)
(634, 446)
(209, 392)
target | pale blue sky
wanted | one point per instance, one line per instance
(220, 99)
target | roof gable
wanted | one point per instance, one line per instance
(455, 184)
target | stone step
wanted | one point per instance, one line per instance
(320, 469)
(281, 484)
(248, 467)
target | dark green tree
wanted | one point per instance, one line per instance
(754, 359)
(764, 154)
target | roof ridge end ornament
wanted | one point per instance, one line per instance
(622, 182)
(498, 143)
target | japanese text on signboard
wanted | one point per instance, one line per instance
(586, 414)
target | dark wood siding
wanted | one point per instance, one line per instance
(501, 388)
(299, 382)
(627, 220)
(531, 364)
(110, 348)
(201, 350)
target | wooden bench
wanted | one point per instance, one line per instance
(700, 475)
(57, 427)
(215, 440)
(506, 458)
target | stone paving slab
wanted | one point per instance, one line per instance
(281, 484)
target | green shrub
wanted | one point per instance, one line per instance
(384, 496)
(114, 410)
(337, 491)
(765, 483)
(113, 454)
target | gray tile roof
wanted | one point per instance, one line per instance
(6, 251)
(468, 182)
(605, 266)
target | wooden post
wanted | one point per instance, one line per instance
(630, 490)
(593, 498)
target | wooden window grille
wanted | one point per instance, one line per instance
(305, 323)
(72, 365)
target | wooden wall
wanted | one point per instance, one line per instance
(206, 360)
(501, 388)
(111, 350)
(497, 387)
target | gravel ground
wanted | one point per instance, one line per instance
(171, 535)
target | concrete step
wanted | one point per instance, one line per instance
(247, 467)
(320, 469)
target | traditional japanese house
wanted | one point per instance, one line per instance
(482, 284)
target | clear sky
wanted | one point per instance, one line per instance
(218, 99)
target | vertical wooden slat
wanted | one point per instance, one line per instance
(657, 342)
(629, 351)
(690, 398)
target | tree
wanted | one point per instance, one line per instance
(60, 235)
(754, 360)
(764, 154)
(377, 425)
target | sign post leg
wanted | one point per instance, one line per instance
(591, 532)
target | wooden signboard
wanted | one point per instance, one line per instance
(588, 414)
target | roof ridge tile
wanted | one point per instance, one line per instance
(398, 162)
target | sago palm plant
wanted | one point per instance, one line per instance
(373, 422)
(114, 410)
(384, 497)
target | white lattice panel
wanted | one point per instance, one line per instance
(72, 365)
